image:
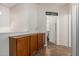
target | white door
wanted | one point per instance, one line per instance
(52, 28)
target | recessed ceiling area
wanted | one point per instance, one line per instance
(9, 5)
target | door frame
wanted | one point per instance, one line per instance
(57, 31)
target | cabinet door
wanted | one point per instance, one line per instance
(41, 40)
(33, 44)
(23, 46)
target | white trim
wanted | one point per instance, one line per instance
(73, 28)
(69, 27)
(57, 43)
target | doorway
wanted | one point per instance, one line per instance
(52, 36)
(51, 29)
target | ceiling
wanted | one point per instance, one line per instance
(9, 5)
(54, 4)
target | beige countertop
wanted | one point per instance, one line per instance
(23, 35)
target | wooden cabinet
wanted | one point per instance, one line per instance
(33, 44)
(26, 45)
(41, 40)
(19, 46)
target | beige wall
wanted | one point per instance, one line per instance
(4, 28)
(64, 26)
(24, 18)
(4, 19)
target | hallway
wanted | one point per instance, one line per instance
(29, 19)
(53, 50)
